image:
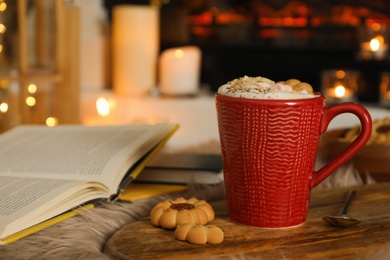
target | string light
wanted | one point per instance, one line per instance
(3, 107)
(31, 101)
(3, 28)
(32, 88)
(51, 121)
(3, 6)
(3, 83)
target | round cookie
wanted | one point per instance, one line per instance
(168, 214)
(380, 132)
(303, 86)
(292, 82)
(198, 234)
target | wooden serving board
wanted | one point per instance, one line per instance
(315, 239)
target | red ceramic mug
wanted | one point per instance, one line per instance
(269, 150)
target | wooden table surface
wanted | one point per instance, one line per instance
(313, 240)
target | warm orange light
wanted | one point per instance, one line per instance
(205, 18)
(374, 44)
(380, 39)
(288, 21)
(30, 101)
(3, 6)
(4, 84)
(3, 107)
(376, 27)
(202, 31)
(51, 121)
(179, 53)
(2, 28)
(103, 107)
(339, 91)
(32, 88)
(340, 74)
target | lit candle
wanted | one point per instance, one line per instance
(340, 85)
(179, 71)
(102, 107)
(339, 92)
(376, 48)
(375, 44)
(102, 113)
(135, 33)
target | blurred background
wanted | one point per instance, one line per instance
(59, 59)
(281, 39)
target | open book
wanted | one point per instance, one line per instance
(45, 171)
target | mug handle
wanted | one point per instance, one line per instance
(366, 127)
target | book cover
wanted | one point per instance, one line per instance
(183, 169)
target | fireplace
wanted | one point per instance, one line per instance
(281, 39)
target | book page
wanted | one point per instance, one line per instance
(47, 171)
(30, 201)
(75, 152)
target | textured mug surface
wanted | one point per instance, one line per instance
(269, 149)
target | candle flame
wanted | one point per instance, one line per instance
(376, 43)
(102, 106)
(339, 91)
(179, 53)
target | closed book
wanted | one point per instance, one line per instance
(183, 168)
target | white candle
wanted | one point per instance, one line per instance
(135, 45)
(179, 71)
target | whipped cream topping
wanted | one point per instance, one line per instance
(263, 88)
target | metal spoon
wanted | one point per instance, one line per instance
(343, 220)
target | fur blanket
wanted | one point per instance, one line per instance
(84, 236)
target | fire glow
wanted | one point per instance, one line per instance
(103, 107)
